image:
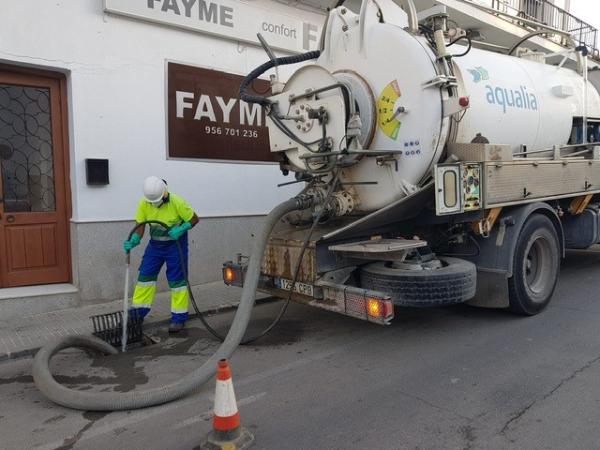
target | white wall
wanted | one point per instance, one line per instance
(116, 70)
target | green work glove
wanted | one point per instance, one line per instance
(177, 231)
(131, 243)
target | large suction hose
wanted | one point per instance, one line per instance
(115, 401)
(285, 60)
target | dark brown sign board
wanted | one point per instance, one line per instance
(207, 120)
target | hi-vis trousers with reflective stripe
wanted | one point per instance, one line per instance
(157, 253)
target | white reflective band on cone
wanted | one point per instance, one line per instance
(225, 404)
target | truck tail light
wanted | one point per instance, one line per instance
(360, 303)
(228, 275)
(374, 307)
(379, 309)
(234, 274)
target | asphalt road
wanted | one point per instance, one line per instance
(455, 377)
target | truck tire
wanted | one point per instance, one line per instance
(536, 266)
(453, 283)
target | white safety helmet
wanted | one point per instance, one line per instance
(154, 190)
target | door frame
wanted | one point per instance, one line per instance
(63, 110)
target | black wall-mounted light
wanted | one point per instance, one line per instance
(96, 172)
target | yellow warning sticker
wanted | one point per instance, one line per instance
(389, 124)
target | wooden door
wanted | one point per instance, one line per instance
(34, 239)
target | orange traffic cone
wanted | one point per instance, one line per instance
(227, 430)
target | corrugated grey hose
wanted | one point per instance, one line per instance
(116, 401)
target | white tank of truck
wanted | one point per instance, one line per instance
(400, 95)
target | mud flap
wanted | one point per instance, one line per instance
(492, 290)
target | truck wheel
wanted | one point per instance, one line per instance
(453, 283)
(535, 268)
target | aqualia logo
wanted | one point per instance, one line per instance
(505, 97)
(479, 73)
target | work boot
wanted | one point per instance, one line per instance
(176, 327)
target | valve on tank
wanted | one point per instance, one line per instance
(340, 204)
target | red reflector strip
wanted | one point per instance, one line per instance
(388, 308)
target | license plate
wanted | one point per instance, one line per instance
(299, 288)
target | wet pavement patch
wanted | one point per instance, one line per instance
(54, 419)
(287, 332)
(124, 381)
(92, 417)
(24, 379)
(125, 372)
(128, 369)
(190, 341)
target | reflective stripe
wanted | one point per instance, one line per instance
(146, 283)
(161, 238)
(178, 311)
(141, 305)
(179, 289)
(226, 414)
(177, 284)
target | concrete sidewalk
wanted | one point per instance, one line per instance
(24, 336)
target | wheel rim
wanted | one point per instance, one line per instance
(538, 270)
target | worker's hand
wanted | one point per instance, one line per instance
(131, 243)
(177, 231)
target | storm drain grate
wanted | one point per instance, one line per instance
(109, 327)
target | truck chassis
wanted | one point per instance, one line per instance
(510, 217)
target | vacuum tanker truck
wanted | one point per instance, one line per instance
(439, 173)
(433, 173)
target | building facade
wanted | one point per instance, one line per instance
(97, 95)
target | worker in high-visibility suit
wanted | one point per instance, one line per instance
(160, 204)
